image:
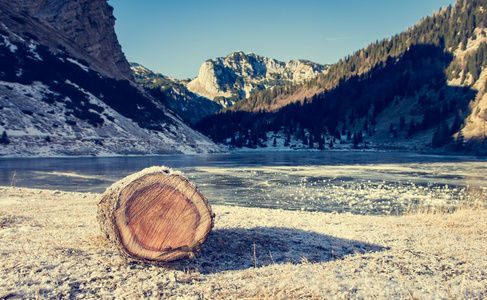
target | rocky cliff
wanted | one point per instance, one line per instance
(67, 89)
(234, 77)
(84, 28)
(475, 126)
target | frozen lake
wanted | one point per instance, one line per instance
(356, 182)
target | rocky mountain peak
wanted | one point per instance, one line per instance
(85, 28)
(238, 74)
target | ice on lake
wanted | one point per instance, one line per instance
(355, 182)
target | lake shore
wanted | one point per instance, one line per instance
(52, 247)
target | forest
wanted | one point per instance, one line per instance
(411, 70)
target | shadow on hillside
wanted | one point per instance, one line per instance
(399, 100)
(240, 249)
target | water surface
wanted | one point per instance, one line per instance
(357, 182)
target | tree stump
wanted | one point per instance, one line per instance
(156, 216)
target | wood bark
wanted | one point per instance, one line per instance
(156, 216)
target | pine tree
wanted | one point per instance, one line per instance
(442, 136)
(459, 142)
(288, 139)
(402, 123)
(321, 143)
(457, 124)
(4, 138)
(357, 139)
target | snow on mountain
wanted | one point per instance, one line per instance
(65, 88)
(85, 29)
(39, 128)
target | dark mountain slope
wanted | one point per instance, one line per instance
(431, 72)
(60, 94)
(174, 94)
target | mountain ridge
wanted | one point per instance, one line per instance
(173, 93)
(65, 88)
(222, 82)
(236, 76)
(347, 104)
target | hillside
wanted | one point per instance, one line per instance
(67, 89)
(223, 81)
(422, 89)
(173, 93)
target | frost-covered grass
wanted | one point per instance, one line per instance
(449, 199)
(371, 189)
(51, 247)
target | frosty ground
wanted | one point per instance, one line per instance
(51, 247)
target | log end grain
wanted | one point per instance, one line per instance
(155, 216)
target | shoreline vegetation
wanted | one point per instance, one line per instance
(52, 247)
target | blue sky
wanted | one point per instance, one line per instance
(175, 37)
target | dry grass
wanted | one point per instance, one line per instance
(470, 199)
(6, 221)
(51, 247)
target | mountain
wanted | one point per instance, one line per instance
(423, 89)
(173, 93)
(222, 82)
(66, 87)
(238, 75)
(85, 29)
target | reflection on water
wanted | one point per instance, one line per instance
(357, 182)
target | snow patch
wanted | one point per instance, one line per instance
(6, 41)
(32, 48)
(85, 68)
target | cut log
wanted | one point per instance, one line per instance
(156, 216)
